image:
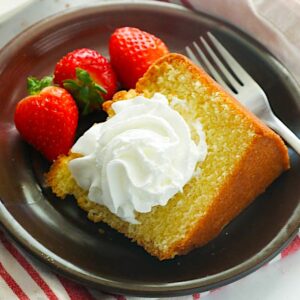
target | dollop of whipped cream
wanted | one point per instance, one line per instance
(137, 159)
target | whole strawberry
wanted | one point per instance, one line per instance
(47, 119)
(132, 51)
(88, 76)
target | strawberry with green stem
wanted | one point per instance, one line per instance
(47, 118)
(88, 76)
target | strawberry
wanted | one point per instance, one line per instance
(47, 119)
(132, 51)
(88, 76)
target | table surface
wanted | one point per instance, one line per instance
(279, 280)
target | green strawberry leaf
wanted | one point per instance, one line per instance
(99, 88)
(83, 76)
(85, 91)
(34, 85)
(70, 85)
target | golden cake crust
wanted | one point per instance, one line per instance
(263, 160)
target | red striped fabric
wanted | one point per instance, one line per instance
(12, 284)
(292, 247)
(28, 267)
(74, 290)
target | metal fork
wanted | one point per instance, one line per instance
(241, 85)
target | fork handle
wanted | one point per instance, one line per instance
(285, 133)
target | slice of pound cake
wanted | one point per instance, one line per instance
(177, 160)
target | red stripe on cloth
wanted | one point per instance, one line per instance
(187, 4)
(292, 247)
(74, 290)
(12, 284)
(28, 267)
(196, 296)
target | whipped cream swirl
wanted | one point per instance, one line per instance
(137, 159)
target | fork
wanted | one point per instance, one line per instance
(239, 83)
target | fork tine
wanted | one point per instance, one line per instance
(192, 56)
(235, 84)
(211, 68)
(235, 66)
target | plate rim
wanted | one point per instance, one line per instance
(52, 261)
(22, 237)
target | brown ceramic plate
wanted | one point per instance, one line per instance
(59, 233)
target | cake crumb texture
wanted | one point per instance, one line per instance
(244, 157)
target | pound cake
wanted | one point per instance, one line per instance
(243, 157)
